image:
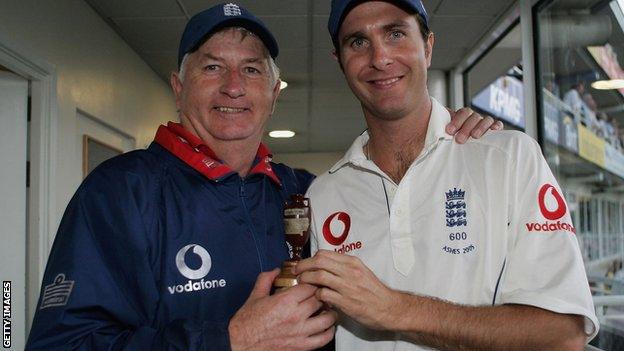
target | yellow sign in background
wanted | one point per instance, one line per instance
(591, 147)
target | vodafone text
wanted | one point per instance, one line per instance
(349, 247)
(550, 227)
(197, 285)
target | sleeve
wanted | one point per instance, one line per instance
(99, 290)
(544, 266)
(304, 179)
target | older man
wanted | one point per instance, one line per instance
(160, 248)
(453, 247)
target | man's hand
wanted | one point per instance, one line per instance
(282, 321)
(347, 284)
(465, 123)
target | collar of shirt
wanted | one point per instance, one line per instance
(195, 153)
(436, 131)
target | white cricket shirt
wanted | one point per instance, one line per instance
(479, 224)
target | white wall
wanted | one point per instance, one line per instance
(97, 73)
(437, 84)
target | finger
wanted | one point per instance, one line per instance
(320, 323)
(457, 120)
(497, 126)
(466, 129)
(325, 260)
(321, 278)
(263, 285)
(329, 296)
(482, 127)
(319, 340)
(310, 305)
(299, 292)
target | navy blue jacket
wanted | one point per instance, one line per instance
(152, 255)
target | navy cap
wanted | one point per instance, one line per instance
(219, 17)
(340, 9)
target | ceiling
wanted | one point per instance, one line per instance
(317, 103)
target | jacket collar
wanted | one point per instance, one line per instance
(195, 153)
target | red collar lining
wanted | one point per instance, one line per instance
(192, 150)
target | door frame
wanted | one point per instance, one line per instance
(41, 220)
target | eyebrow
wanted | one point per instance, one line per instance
(216, 58)
(386, 27)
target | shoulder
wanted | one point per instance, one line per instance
(295, 180)
(509, 142)
(139, 168)
(327, 182)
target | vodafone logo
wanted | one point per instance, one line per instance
(551, 203)
(553, 208)
(336, 229)
(202, 271)
(339, 238)
(193, 284)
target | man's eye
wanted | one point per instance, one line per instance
(252, 70)
(397, 34)
(211, 67)
(357, 43)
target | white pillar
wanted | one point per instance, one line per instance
(438, 86)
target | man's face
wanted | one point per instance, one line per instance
(227, 92)
(385, 59)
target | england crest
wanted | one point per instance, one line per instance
(455, 208)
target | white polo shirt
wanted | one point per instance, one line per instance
(478, 224)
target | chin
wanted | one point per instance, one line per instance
(232, 134)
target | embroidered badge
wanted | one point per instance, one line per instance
(456, 217)
(57, 293)
(231, 10)
(455, 208)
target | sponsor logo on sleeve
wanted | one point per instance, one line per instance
(57, 294)
(196, 276)
(456, 216)
(553, 208)
(336, 230)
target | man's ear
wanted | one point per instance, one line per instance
(276, 91)
(176, 86)
(336, 57)
(429, 48)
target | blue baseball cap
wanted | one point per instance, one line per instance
(340, 9)
(219, 17)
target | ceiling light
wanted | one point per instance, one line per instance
(281, 134)
(608, 84)
(283, 85)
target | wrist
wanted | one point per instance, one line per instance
(406, 312)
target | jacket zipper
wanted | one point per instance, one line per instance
(242, 196)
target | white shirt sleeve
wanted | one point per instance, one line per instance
(544, 266)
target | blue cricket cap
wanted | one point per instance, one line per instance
(340, 9)
(219, 17)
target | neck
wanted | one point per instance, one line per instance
(236, 154)
(394, 144)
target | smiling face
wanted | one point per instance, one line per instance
(227, 92)
(385, 59)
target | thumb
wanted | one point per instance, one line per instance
(263, 284)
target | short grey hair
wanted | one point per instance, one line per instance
(274, 71)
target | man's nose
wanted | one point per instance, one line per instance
(380, 56)
(233, 85)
